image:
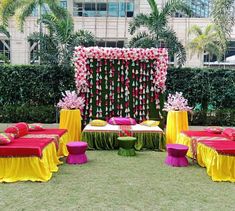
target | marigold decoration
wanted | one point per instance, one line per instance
(71, 100)
(176, 102)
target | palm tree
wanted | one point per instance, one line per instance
(158, 33)
(205, 41)
(3, 30)
(58, 44)
(21, 9)
(223, 17)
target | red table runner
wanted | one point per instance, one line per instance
(202, 137)
(191, 133)
(125, 130)
(53, 131)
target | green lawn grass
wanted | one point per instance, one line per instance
(112, 182)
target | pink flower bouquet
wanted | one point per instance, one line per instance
(70, 100)
(176, 102)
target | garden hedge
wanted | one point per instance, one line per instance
(208, 87)
(33, 84)
(30, 93)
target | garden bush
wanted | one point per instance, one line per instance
(30, 93)
(224, 117)
(33, 84)
(28, 113)
(209, 87)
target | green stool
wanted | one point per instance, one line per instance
(126, 146)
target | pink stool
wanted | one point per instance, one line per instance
(77, 152)
(176, 155)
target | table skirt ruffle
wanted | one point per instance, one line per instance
(219, 167)
(62, 151)
(108, 140)
(14, 169)
(185, 140)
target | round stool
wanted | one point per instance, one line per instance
(77, 152)
(126, 146)
(176, 155)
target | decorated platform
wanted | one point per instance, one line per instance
(32, 155)
(215, 151)
(106, 137)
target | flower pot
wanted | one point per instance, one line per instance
(71, 120)
(177, 121)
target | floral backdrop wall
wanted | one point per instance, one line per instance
(120, 82)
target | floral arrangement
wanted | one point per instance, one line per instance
(81, 55)
(71, 100)
(176, 102)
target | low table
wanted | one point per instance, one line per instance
(126, 146)
(77, 152)
(176, 155)
(105, 138)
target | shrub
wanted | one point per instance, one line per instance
(29, 93)
(27, 113)
(223, 117)
(33, 85)
(204, 86)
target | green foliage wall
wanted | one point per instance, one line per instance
(33, 85)
(212, 89)
(204, 86)
(30, 93)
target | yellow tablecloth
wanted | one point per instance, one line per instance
(219, 167)
(176, 122)
(62, 151)
(30, 168)
(71, 120)
(185, 140)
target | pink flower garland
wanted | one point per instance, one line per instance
(81, 55)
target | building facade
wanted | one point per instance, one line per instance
(108, 20)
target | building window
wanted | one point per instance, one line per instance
(63, 4)
(34, 55)
(103, 9)
(209, 58)
(45, 8)
(231, 50)
(4, 51)
(113, 9)
(200, 8)
(112, 44)
(129, 9)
